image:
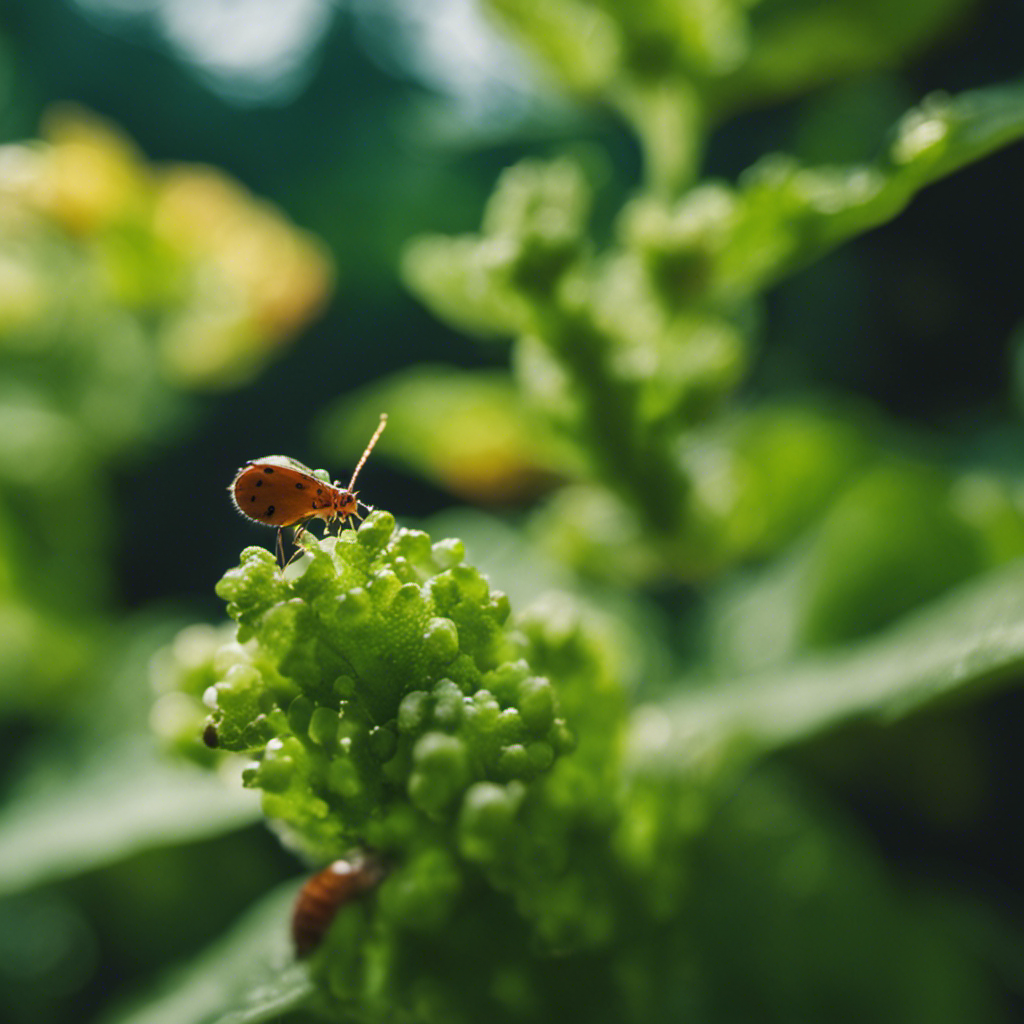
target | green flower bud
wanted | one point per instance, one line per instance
(486, 820)
(440, 772)
(387, 705)
(322, 727)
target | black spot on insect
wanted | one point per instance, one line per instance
(252, 497)
(319, 490)
(259, 483)
(300, 486)
(268, 469)
(270, 510)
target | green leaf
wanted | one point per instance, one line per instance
(534, 229)
(468, 430)
(931, 141)
(796, 46)
(728, 244)
(578, 40)
(130, 800)
(246, 977)
(793, 898)
(965, 644)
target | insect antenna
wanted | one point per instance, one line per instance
(369, 448)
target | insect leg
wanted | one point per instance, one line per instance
(299, 550)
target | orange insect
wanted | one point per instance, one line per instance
(279, 491)
(325, 894)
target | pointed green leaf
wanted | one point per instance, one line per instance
(248, 976)
(938, 137)
(130, 800)
(965, 644)
(728, 244)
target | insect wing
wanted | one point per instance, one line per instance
(279, 491)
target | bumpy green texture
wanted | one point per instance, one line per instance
(367, 654)
(388, 703)
(537, 867)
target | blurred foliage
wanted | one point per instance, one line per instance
(207, 281)
(740, 741)
(671, 67)
(631, 351)
(470, 432)
(120, 286)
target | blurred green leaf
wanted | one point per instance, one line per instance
(534, 227)
(628, 350)
(731, 244)
(454, 277)
(889, 542)
(966, 644)
(669, 67)
(800, 44)
(128, 800)
(793, 898)
(247, 977)
(469, 431)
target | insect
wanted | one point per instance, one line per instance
(210, 737)
(326, 893)
(279, 491)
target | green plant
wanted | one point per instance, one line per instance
(587, 858)
(625, 800)
(122, 287)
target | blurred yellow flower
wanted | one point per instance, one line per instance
(217, 278)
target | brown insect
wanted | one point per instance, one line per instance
(279, 491)
(325, 894)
